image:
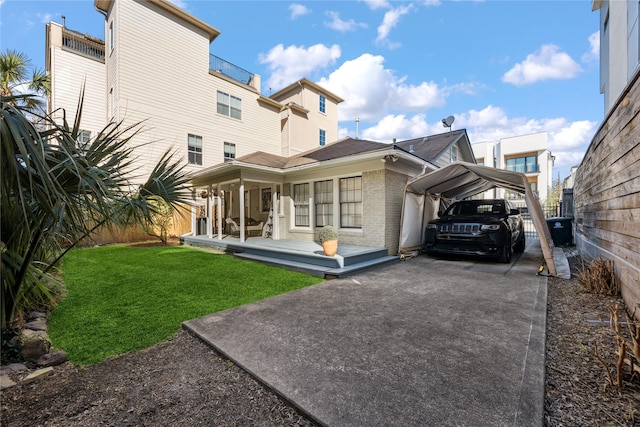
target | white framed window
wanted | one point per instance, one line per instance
(322, 139)
(229, 151)
(301, 204)
(323, 199)
(229, 105)
(112, 36)
(454, 153)
(323, 104)
(195, 150)
(84, 136)
(351, 202)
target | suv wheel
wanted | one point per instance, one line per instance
(507, 251)
(520, 244)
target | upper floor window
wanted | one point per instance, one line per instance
(229, 151)
(229, 105)
(111, 36)
(323, 198)
(351, 202)
(323, 137)
(195, 150)
(527, 164)
(301, 204)
(454, 153)
(84, 136)
(323, 104)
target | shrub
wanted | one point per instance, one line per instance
(328, 233)
(599, 277)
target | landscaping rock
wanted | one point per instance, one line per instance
(11, 368)
(6, 382)
(35, 344)
(37, 325)
(36, 315)
(36, 375)
(52, 359)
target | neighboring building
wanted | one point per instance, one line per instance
(155, 69)
(619, 46)
(528, 154)
(607, 181)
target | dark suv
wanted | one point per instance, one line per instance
(490, 227)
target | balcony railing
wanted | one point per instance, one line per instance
(84, 45)
(234, 72)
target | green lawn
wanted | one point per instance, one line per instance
(123, 298)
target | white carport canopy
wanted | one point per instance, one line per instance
(423, 195)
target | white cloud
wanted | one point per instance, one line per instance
(343, 26)
(45, 18)
(377, 4)
(294, 62)
(545, 64)
(371, 91)
(398, 126)
(431, 3)
(594, 52)
(389, 22)
(298, 10)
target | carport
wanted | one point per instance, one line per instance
(424, 195)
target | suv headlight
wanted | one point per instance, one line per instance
(432, 227)
(490, 227)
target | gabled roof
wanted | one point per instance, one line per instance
(302, 83)
(431, 147)
(339, 149)
(212, 33)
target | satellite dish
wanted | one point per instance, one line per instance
(448, 122)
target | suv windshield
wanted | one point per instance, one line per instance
(475, 208)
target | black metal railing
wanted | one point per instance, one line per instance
(230, 70)
(82, 44)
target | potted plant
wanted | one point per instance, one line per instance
(329, 239)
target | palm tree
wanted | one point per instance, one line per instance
(54, 193)
(15, 80)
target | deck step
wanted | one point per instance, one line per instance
(316, 270)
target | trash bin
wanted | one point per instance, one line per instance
(561, 230)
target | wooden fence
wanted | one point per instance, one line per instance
(607, 194)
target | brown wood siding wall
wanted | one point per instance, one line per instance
(607, 194)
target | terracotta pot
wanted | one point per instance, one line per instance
(330, 247)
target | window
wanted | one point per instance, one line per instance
(323, 104)
(454, 153)
(229, 151)
(84, 136)
(111, 36)
(480, 161)
(323, 137)
(195, 150)
(266, 199)
(351, 202)
(229, 105)
(301, 204)
(526, 164)
(323, 197)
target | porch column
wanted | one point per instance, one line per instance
(275, 219)
(219, 211)
(242, 221)
(210, 215)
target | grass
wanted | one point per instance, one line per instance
(123, 298)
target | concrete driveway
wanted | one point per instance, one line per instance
(426, 341)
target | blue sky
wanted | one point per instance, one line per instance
(501, 68)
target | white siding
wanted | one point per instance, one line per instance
(72, 71)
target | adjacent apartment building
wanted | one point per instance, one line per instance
(528, 154)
